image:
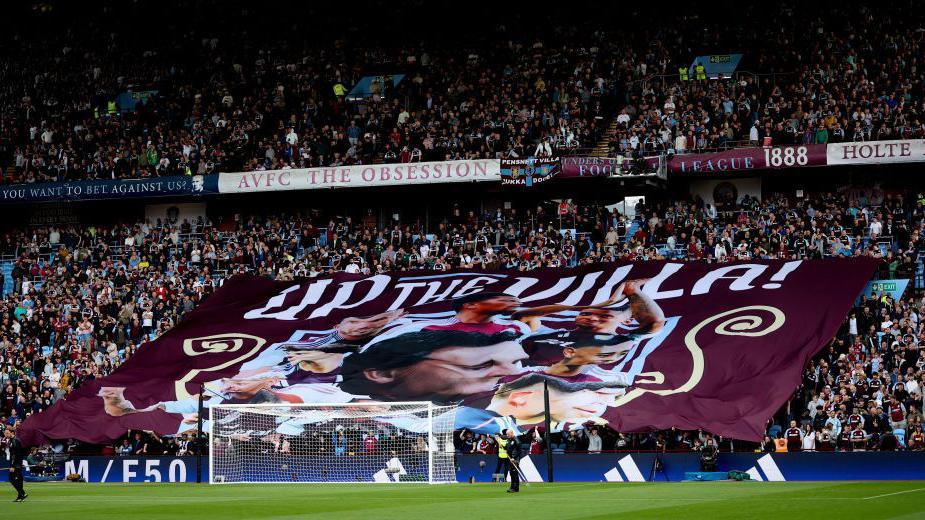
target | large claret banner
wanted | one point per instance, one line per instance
(639, 346)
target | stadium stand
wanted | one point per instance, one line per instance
(78, 299)
(84, 299)
(193, 103)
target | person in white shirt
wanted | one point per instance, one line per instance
(912, 386)
(55, 377)
(669, 106)
(126, 448)
(147, 318)
(623, 118)
(809, 439)
(814, 404)
(876, 228)
(665, 135)
(594, 441)
(544, 149)
(292, 139)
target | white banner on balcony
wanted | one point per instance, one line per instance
(876, 152)
(361, 176)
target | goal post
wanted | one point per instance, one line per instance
(367, 442)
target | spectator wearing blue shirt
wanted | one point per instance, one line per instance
(834, 423)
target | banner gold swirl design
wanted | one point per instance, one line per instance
(744, 321)
(217, 344)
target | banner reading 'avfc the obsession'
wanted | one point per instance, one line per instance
(639, 346)
(360, 176)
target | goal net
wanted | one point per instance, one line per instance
(356, 442)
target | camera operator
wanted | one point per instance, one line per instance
(708, 455)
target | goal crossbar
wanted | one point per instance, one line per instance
(365, 442)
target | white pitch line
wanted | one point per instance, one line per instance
(895, 493)
(560, 486)
(532, 497)
(153, 498)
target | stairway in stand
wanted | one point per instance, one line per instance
(602, 148)
(631, 230)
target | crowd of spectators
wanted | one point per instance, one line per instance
(864, 391)
(85, 298)
(197, 101)
(189, 102)
(851, 75)
(595, 439)
(91, 100)
(343, 439)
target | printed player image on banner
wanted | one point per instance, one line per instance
(637, 346)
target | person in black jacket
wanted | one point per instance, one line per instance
(514, 453)
(16, 458)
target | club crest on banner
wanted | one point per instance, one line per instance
(528, 172)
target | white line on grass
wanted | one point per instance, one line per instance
(553, 485)
(532, 497)
(895, 493)
(122, 498)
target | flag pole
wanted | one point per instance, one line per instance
(199, 446)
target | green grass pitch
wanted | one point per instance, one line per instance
(700, 500)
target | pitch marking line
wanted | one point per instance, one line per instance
(896, 493)
(389, 499)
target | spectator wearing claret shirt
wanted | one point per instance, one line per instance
(897, 414)
(370, 442)
(858, 438)
(825, 440)
(794, 437)
(482, 445)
